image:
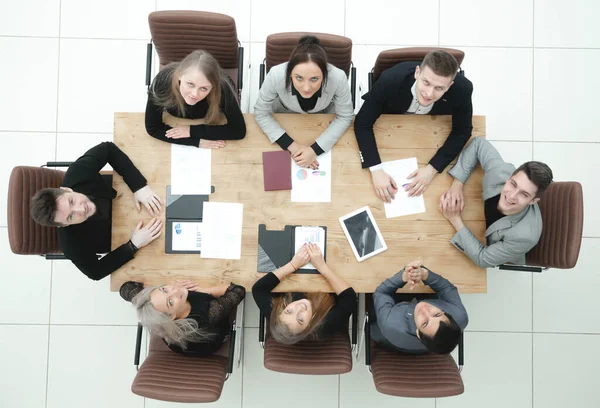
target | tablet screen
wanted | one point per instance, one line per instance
(363, 234)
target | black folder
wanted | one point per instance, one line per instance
(276, 248)
(182, 208)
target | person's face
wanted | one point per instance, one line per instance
(307, 78)
(428, 318)
(194, 86)
(297, 315)
(170, 299)
(518, 192)
(73, 208)
(430, 87)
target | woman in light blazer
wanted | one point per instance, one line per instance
(305, 84)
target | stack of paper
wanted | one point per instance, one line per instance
(190, 170)
(399, 170)
(222, 230)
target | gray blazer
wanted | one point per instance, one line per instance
(509, 238)
(274, 97)
(396, 321)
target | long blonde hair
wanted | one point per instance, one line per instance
(321, 303)
(178, 332)
(165, 87)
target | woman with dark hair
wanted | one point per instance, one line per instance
(195, 88)
(305, 84)
(297, 316)
(191, 320)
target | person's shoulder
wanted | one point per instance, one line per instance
(278, 71)
(462, 84)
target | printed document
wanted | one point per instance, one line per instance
(315, 235)
(222, 230)
(312, 186)
(190, 170)
(399, 170)
(186, 236)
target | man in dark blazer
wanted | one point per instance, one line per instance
(81, 211)
(432, 325)
(432, 88)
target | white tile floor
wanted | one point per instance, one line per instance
(68, 65)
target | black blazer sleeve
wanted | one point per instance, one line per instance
(261, 291)
(337, 318)
(370, 111)
(235, 129)
(462, 127)
(98, 156)
(86, 260)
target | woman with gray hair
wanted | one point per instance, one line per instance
(191, 320)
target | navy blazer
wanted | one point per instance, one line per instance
(392, 94)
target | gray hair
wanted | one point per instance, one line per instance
(178, 332)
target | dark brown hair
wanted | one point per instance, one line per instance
(321, 305)
(43, 206)
(308, 49)
(441, 62)
(445, 339)
(539, 173)
(165, 87)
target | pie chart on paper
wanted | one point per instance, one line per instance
(302, 174)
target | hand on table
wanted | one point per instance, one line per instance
(454, 196)
(148, 198)
(188, 284)
(178, 132)
(422, 178)
(143, 235)
(212, 144)
(452, 209)
(305, 156)
(384, 185)
(301, 258)
(316, 256)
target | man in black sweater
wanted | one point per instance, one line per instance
(81, 211)
(409, 88)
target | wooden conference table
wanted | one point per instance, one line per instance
(237, 174)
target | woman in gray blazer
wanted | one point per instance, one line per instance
(305, 84)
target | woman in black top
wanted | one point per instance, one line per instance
(191, 320)
(195, 88)
(298, 316)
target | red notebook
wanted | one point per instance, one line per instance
(277, 170)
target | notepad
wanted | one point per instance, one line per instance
(277, 170)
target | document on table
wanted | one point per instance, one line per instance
(303, 235)
(222, 230)
(186, 236)
(190, 170)
(312, 186)
(399, 170)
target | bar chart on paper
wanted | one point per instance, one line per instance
(315, 235)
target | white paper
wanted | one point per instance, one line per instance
(312, 186)
(186, 236)
(190, 170)
(222, 230)
(303, 235)
(399, 170)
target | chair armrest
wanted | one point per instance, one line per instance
(148, 63)
(261, 330)
(240, 81)
(261, 74)
(55, 257)
(232, 335)
(57, 164)
(370, 80)
(355, 324)
(353, 85)
(239, 346)
(138, 346)
(367, 330)
(461, 352)
(521, 268)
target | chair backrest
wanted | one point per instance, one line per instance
(281, 45)
(562, 215)
(388, 58)
(332, 355)
(177, 33)
(168, 376)
(25, 236)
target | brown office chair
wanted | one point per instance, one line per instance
(329, 356)
(25, 236)
(388, 58)
(339, 53)
(177, 33)
(169, 376)
(409, 375)
(562, 215)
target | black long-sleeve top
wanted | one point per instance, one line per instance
(212, 316)
(81, 242)
(335, 321)
(391, 94)
(235, 129)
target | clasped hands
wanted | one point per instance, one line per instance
(414, 272)
(304, 156)
(452, 203)
(386, 188)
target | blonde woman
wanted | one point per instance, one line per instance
(297, 316)
(195, 88)
(191, 320)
